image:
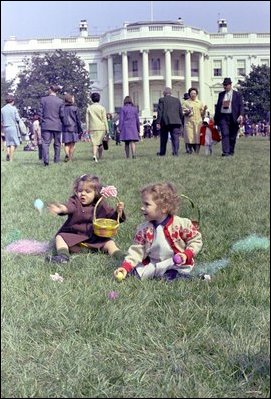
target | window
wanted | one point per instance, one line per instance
(93, 72)
(265, 62)
(241, 67)
(194, 68)
(117, 71)
(217, 70)
(21, 68)
(135, 68)
(135, 98)
(176, 66)
(155, 66)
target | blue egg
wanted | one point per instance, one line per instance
(38, 204)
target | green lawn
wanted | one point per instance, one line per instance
(184, 339)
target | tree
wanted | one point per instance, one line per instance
(6, 88)
(255, 90)
(62, 68)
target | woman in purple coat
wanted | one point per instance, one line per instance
(129, 126)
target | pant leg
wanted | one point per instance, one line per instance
(207, 149)
(145, 271)
(225, 133)
(163, 140)
(40, 150)
(57, 146)
(46, 141)
(232, 136)
(175, 133)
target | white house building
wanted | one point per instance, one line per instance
(140, 59)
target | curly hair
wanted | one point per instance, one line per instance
(164, 195)
(93, 182)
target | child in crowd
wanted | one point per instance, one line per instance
(165, 245)
(208, 135)
(77, 231)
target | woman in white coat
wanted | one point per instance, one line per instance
(9, 126)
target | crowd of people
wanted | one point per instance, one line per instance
(58, 120)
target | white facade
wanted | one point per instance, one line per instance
(140, 59)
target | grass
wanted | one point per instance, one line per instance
(162, 340)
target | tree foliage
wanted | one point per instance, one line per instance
(6, 88)
(255, 90)
(62, 68)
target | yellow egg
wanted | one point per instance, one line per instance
(119, 276)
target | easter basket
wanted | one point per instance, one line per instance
(104, 227)
(195, 219)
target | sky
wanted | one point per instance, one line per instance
(50, 19)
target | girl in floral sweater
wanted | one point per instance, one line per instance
(164, 243)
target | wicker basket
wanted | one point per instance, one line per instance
(104, 227)
(196, 221)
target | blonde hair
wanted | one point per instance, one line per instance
(164, 195)
(93, 181)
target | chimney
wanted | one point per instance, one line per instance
(222, 26)
(83, 27)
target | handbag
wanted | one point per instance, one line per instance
(22, 127)
(105, 142)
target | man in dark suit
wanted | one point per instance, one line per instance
(51, 114)
(229, 114)
(169, 120)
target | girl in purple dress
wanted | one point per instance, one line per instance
(78, 228)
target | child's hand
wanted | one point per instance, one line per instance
(120, 208)
(56, 208)
(120, 273)
(179, 259)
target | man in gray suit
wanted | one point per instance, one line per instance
(229, 114)
(169, 120)
(51, 114)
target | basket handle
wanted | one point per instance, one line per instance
(193, 206)
(95, 208)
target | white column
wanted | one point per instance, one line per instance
(229, 67)
(187, 70)
(146, 84)
(168, 68)
(125, 82)
(110, 84)
(201, 78)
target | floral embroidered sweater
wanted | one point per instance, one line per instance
(181, 234)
